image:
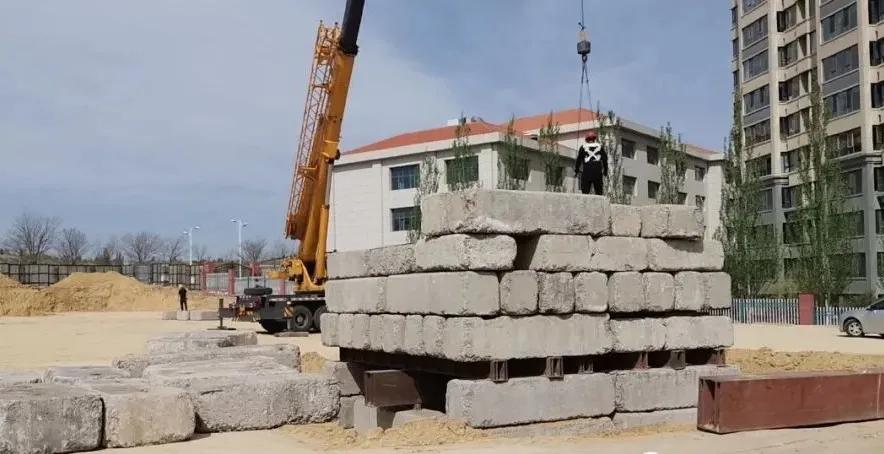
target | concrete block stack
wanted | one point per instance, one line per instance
(514, 275)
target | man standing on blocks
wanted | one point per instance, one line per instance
(591, 165)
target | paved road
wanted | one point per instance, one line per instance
(794, 338)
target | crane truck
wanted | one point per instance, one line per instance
(308, 210)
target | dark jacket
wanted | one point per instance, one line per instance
(182, 294)
(592, 161)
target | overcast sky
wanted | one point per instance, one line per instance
(121, 116)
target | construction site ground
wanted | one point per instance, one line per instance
(83, 338)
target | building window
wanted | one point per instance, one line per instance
(652, 156)
(791, 196)
(853, 182)
(790, 125)
(879, 222)
(699, 173)
(653, 188)
(787, 18)
(791, 160)
(791, 88)
(736, 78)
(757, 133)
(405, 177)
(754, 32)
(628, 148)
(857, 265)
(856, 224)
(699, 201)
(755, 66)
(788, 54)
(876, 52)
(876, 11)
(736, 46)
(878, 94)
(628, 185)
(465, 172)
(520, 169)
(733, 17)
(759, 167)
(792, 232)
(879, 179)
(756, 99)
(878, 137)
(838, 23)
(843, 102)
(750, 4)
(845, 143)
(840, 63)
(404, 219)
(682, 198)
(765, 202)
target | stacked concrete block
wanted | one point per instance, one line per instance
(199, 340)
(285, 354)
(514, 275)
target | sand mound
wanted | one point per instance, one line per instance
(108, 291)
(312, 362)
(765, 360)
(431, 432)
(8, 282)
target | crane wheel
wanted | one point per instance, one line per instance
(317, 316)
(272, 326)
(302, 318)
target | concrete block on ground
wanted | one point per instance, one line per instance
(138, 415)
(376, 332)
(613, 253)
(678, 417)
(482, 403)
(204, 315)
(389, 260)
(182, 316)
(514, 212)
(345, 413)
(348, 376)
(518, 292)
(699, 332)
(663, 388)
(555, 293)
(367, 419)
(329, 334)
(553, 253)
(625, 220)
(169, 315)
(403, 417)
(197, 340)
(9, 377)
(684, 255)
(659, 291)
(690, 291)
(361, 295)
(43, 418)
(638, 334)
(433, 336)
(347, 264)
(287, 355)
(444, 293)
(571, 427)
(394, 333)
(80, 374)
(413, 342)
(671, 221)
(590, 292)
(626, 292)
(461, 252)
(718, 290)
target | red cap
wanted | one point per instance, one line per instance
(591, 135)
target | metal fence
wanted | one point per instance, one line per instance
(153, 273)
(777, 311)
(228, 284)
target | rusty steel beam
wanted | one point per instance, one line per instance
(740, 403)
(391, 388)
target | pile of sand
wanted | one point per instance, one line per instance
(108, 291)
(765, 361)
(312, 362)
(431, 432)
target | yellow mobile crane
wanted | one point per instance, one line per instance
(308, 210)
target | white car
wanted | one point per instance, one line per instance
(863, 321)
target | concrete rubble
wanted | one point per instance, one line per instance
(197, 340)
(285, 354)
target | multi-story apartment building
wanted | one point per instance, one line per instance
(779, 48)
(373, 186)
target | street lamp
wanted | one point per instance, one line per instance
(189, 234)
(240, 225)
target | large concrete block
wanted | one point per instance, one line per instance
(376, 332)
(444, 293)
(638, 334)
(182, 316)
(80, 374)
(389, 260)
(555, 293)
(518, 292)
(614, 253)
(625, 220)
(368, 419)
(461, 252)
(663, 388)
(591, 292)
(361, 326)
(690, 291)
(626, 292)
(169, 315)
(137, 415)
(394, 333)
(464, 339)
(718, 290)
(514, 212)
(329, 334)
(483, 403)
(553, 253)
(659, 291)
(678, 417)
(204, 315)
(9, 377)
(403, 417)
(684, 255)
(285, 354)
(46, 418)
(434, 336)
(671, 221)
(348, 376)
(568, 428)
(345, 413)
(347, 264)
(413, 343)
(366, 295)
(345, 331)
(699, 332)
(197, 340)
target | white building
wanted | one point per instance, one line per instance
(373, 186)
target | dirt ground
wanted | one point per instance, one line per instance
(83, 338)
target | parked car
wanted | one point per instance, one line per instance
(863, 321)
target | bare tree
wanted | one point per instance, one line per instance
(253, 250)
(200, 252)
(71, 245)
(110, 252)
(142, 247)
(173, 248)
(281, 249)
(32, 236)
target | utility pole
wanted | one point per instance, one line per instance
(189, 234)
(240, 225)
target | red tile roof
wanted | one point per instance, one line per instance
(562, 117)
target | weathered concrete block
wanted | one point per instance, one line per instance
(625, 220)
(203, 315)
(347, 264)
(626, 292)
(591, 292)
(614, 253)
(466, 252)
(410, 293)
(345, 413)
(403, 417)
(671, 221)
(376, 332)
(182, 316)
(361, 295)
(555, 293)
(699, 332)
(367, 419)
(169, 315)
(518, 292)
(137, 415)
(345, 331)
(464, 339)
(80, 374)
(285, 354)
(663, 388)
(571, 427)
(413, 343)
(659, 291)
(553, 253)
(433, 335)
(348, 376)
(638, 334)
(394, 333)
(678, 417)
(718, 290)
(329, 334)
(514, 212)
(389, 260)
(361, 326)
(444, 293)
(9, 377)
(690, 291)
(483, 403)
(682, 255)
(197, 340)
(44, 418)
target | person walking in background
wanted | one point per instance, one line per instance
(182, 296)
(591, 165)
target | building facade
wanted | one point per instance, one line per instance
(374, 186)
(779, 48)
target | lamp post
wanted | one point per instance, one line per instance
(240, 224)
(189, 234)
